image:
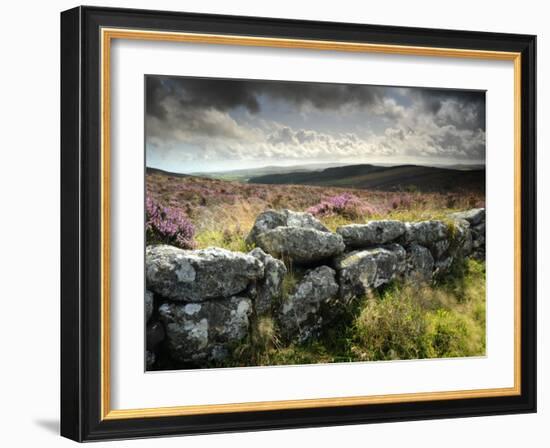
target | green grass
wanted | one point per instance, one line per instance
(230, 240)
(416, 214)
(391, 326)
(446, 319)
(401, 321)
(405, 215)
(291, 279)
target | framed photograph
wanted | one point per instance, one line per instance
(273, 223)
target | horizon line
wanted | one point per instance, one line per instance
(431, 165)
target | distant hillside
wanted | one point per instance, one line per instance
(243, 175)
(150, 170)
(403, 177)
(462, 167)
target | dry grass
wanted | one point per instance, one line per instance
(224, 211)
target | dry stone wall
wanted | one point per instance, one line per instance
(200, 304)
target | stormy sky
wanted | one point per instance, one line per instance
(208, 124)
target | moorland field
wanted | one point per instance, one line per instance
(445, 318)
(223, 211)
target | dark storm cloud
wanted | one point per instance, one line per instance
(463, 109)
(197, 94)
(469, 106)
(226, 94)
(155, 93)
(322, 96)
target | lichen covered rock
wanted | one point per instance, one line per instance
(420, 263)
(198, 275)
(443, 265)
(205, 331)
(425, 233)
(149, 301)
(440, 248)
(303, 220)
(462, 238)
(361, 270)
(301, 245)
(271, 219)
(154, 335)
(301, 313)
(371, 233)
(269, 288)
(478, 240)
(474, 216)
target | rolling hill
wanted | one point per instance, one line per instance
(393, 178)
(243, 175)
(149, 170)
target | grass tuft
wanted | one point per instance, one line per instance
(446, 319)
(402, 321)
(226, 239)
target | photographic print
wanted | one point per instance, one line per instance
(259, 201)
(291, 223)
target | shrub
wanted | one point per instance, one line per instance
(452, 200)
(227, 239)
(293, 276)
(402, 201)
(167, 225)
(465, 281)
(411, 321)
(452, 334)
(255, 349)
(346, 205)
(391, 327)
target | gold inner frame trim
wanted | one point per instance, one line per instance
(107, 35)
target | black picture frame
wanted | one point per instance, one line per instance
(81, 209)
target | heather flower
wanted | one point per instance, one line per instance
(402, 201)
(345, 204)
(167, 225)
